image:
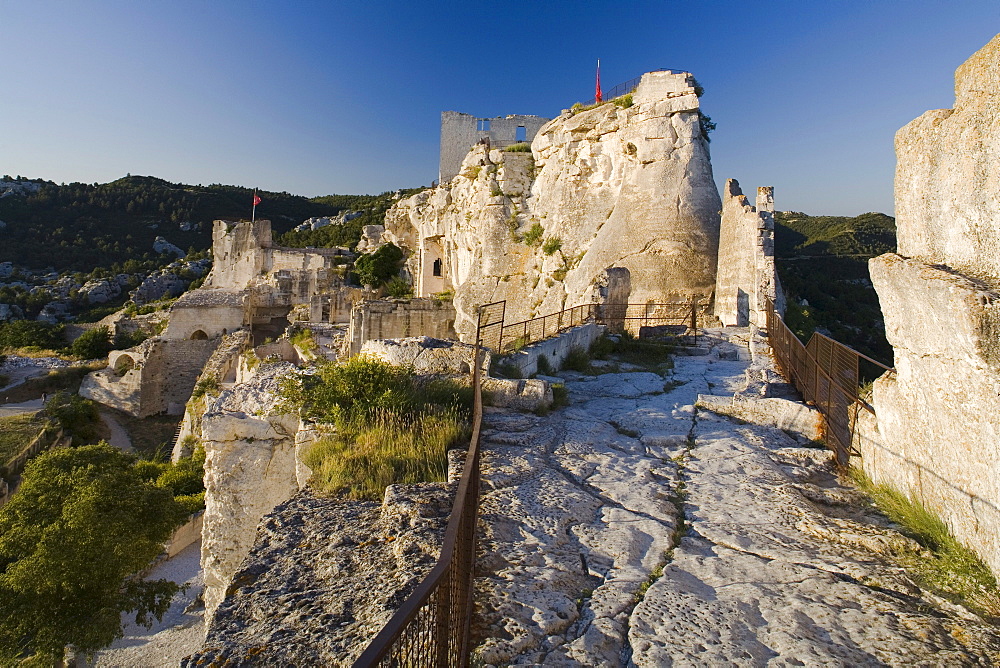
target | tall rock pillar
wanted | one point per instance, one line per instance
(939, 414)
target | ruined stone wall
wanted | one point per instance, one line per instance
(377, 319)
(746, 276)
(938, 435)
(608, 187)
(460, 131)
(156, 376)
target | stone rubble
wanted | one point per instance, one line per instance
(765, 556)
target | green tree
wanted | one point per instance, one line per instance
(72, 540)
(76, 415)
(24, 333)
(93, 344)
(376, 268)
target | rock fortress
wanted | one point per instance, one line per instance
(678, 514)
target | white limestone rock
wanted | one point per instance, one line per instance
(611, 187)
(426, 355)
(161, 245)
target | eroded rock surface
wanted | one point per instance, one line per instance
(324, 576)
(765, 557)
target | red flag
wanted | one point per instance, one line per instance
(598, 96)
(256, 200)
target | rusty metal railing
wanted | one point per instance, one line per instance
(827, 373)
(433, 625)
(684, 317)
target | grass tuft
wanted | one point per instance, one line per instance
(370, 452)
(951, 569)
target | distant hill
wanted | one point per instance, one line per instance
(822, 262)
(80, 226)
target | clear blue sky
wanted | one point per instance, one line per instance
(319, 97)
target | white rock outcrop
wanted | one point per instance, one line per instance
(607, 187)
(938, 432)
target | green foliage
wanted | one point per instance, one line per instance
(26, 333)
(543, 364)
(16, 432)
(372, 207)
(207, 385)
(93, 343)
(375, 269)
(370, 452)
(533, 236)
(389, 427)
(124, 340)
(551, 245)
(560, 396)
(508, 370)
(398, 288)
(706, 124)
(577, 359)
(82, 523)
(303, 338)
(496, 192)
(520, 147)
(472, 173)
(952, 570)
(655, 356)
(625, 101)
(76, 415)
(823, 260)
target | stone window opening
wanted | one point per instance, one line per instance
(483, 125)
(521, 134)
(198, 335)
(437, 267)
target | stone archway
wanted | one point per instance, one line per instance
(124, 364)
(198, 335)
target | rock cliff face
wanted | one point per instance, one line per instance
(938, 434)
(250, 467)
(607, 187)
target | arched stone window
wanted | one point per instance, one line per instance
(124, 364)
(199, 335)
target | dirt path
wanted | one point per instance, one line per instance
(118, 437)
(633, 529)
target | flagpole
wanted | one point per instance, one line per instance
(253, 215)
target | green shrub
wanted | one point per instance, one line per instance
(361, 384)
(192, 503)
(375, 269)
(577, 360)
(496, 192)
(93, 344)
(472, 173)
(207, 385)
(303, 338)
(520, 147)
(398, 288)
(124, 340)
(76, 415)
(551, 245)
(625, 101)
(25, 333)
(150, 471)
(560, 396)
(533, 236)
(544, 366)
(508, 370)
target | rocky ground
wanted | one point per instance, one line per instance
(324, 576)
(632, 528)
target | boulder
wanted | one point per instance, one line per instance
(427, 356)
(161, 245)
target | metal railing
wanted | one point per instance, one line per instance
(682, 317)
(626, 87)
(433, 625)
(827, 373)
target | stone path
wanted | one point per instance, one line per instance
(631, 528)
(32, 406)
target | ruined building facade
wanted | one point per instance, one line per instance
(460, 131)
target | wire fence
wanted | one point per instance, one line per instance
(828, 374)
(433, 625)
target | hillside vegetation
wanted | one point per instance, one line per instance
(81, 226)
(822, 262)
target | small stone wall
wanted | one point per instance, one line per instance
(382, 319)
(555, 349)
(746, 277)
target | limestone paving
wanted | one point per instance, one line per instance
(766, 558)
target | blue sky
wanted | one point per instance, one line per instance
(343, 97)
